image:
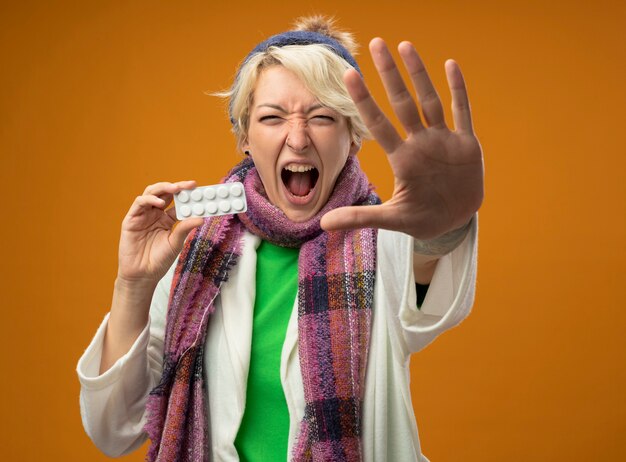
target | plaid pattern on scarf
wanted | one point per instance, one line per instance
(336, 273)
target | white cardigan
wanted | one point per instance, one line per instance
(113, 404)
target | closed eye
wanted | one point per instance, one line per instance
(327, 117)
(268, 117)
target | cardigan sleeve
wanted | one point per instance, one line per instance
(112, 404)
(449, 297)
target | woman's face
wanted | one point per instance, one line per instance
(298, 146)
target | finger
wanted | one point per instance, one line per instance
(181, 231)
(144, 203)
(373, 117)
(366, 216)
(166, 190)
(164, 187)
(461, 111)
(399, 96)
(426, 93)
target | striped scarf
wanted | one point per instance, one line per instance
(336, 272)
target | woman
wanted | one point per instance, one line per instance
(233, 367)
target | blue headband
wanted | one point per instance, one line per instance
(303, 37)
(299, 37)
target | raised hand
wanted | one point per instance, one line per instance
(438, 173)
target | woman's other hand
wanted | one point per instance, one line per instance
(438, 172)
(149, 242)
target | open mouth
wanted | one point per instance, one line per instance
(299, 179)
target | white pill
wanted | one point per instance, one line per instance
(198, 209)
(238, 205)
(185, 210)
(183, 196)
(211, 208)
(222, 191)
(196, 195)
(209, 193)
(224, 206)
(236, 190)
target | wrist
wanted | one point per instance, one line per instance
(130, 307)
(443, 244)
(133, 292)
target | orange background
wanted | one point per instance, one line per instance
(100, 99)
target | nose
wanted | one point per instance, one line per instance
(297, 137)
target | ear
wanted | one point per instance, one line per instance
(244, 145)
(354, 148)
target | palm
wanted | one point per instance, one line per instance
(438, 173)
(437, 176)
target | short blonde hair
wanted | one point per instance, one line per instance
(316, 65)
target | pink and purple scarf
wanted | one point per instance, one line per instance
(336, 272)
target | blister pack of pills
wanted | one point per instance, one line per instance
(210, 201)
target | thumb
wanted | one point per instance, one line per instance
(181, 231)
(366, 216)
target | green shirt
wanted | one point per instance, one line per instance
(264, 430)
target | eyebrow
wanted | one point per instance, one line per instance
(284, 111)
